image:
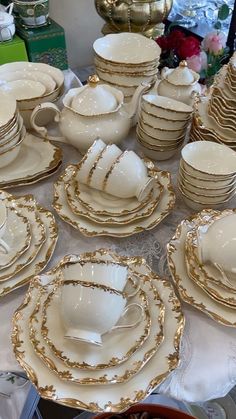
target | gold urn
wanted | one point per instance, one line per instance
(141, 16)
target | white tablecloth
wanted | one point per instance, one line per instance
(208, 353)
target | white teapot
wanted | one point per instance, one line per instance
(92, 111)
(7, 25)
(179, 83)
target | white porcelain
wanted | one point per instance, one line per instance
(104, 121)
(167, 108)
(154, 144)
(24, 89)
(217, 244)
(155, 154)
(206, 190)
(8, 108)
(11, 141)
(179, 83)
(204, 198)
(11, 132)
(210, 159)
(3, 225)
(163, 134)
(154, 122)
(7, 26)
(8, 156)
(39, 76)
(90, 310)
(125, 80)
(125, 48)
(113, 67)
(86, 163)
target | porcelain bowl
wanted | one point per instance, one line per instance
(167, 108)
(196, 205)
(205, 190)
(45, 79)
(156, 122)
(209, 160)
(13, 139)
(206, 199)
(156, 154)
(8, 156)
(153, 142)
(124, 48)
(127, 81)
(106, 65)
(163, 134)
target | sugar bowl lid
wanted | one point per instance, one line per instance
(5, 19)
(95, 99)
(182, 75)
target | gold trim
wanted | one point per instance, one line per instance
(115, 162)
(150, 64)
(127, 74)
(100, 155)
(145, 101)
(157, 148)
(124, 64)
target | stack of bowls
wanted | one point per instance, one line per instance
(32, 84)
(12, 130)
(207, 174)
(162, 126)
(125, 60)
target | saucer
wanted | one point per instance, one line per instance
(112, 398)
(90, 228)
(40, 250)
(189, 291)
(37, 159)
(105, 200)
(17, 236)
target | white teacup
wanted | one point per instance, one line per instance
(105, 272)
(86, 164)
(217, 244)
(3, 224)
(90, 310)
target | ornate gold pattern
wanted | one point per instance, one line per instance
(117, 160)
(100, 155)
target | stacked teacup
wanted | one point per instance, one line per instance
(103, 284)
(207, 174)
(12, 130)
(125, 60)
(162, 126)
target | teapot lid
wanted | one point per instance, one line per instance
(182, 75)
(94, 99)
(5, 19)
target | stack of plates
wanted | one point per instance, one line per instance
(96, 213)
(215, 115)
(207, 175)
(31, 84)
(125, 60)
(162, 126)
(202, 283)
(127, 367)
(30, 235)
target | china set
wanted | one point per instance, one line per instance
(162, 126)
(113, 193)
(201, 258)
(126, 60)
(214, 118)
(28, 236)
(85, 359)
(207, 175)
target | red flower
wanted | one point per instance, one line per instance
(163, 43)
(175, 38)
(188, 47)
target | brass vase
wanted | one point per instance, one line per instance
(140, 16)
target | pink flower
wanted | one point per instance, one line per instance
(197, 62)
(214, 42)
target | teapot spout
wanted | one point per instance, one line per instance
(132, 106)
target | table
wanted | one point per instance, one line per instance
(207, 367)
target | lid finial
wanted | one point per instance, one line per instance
(93, 80)
(183, 63)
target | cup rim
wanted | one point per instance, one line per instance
(93, 285)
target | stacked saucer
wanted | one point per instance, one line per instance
(28, 236)
(125, 60)
(201, 258)
(93, 369)
(162, 126)
(214, 118)
(207, 174)
(113, 193)
(31, 84)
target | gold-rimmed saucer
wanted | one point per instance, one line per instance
(84, 191)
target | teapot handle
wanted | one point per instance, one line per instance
(42, 131)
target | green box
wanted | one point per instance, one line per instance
(13, 51)
(45, 44)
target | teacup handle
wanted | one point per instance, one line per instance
(4, 245)
(129, 326)
(137, 287)
(42, 131)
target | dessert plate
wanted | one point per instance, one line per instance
(189, 291)
(90, 228)
(41, 258)
(135, 359)
(115, 398)
(26, 206)
(37, 158)
(17, 236)
(79, 209)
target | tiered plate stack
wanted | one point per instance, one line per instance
(207, 175)
(125, 60)
(162, 126)
(113, 193)
(28, 236)
(87, 369)
(215, 115)
(201, 258)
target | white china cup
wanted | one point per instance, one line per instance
(3, 225)
(90, 310)
(86, 164)
(112, 274)
(217, 244)
(8, 156)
